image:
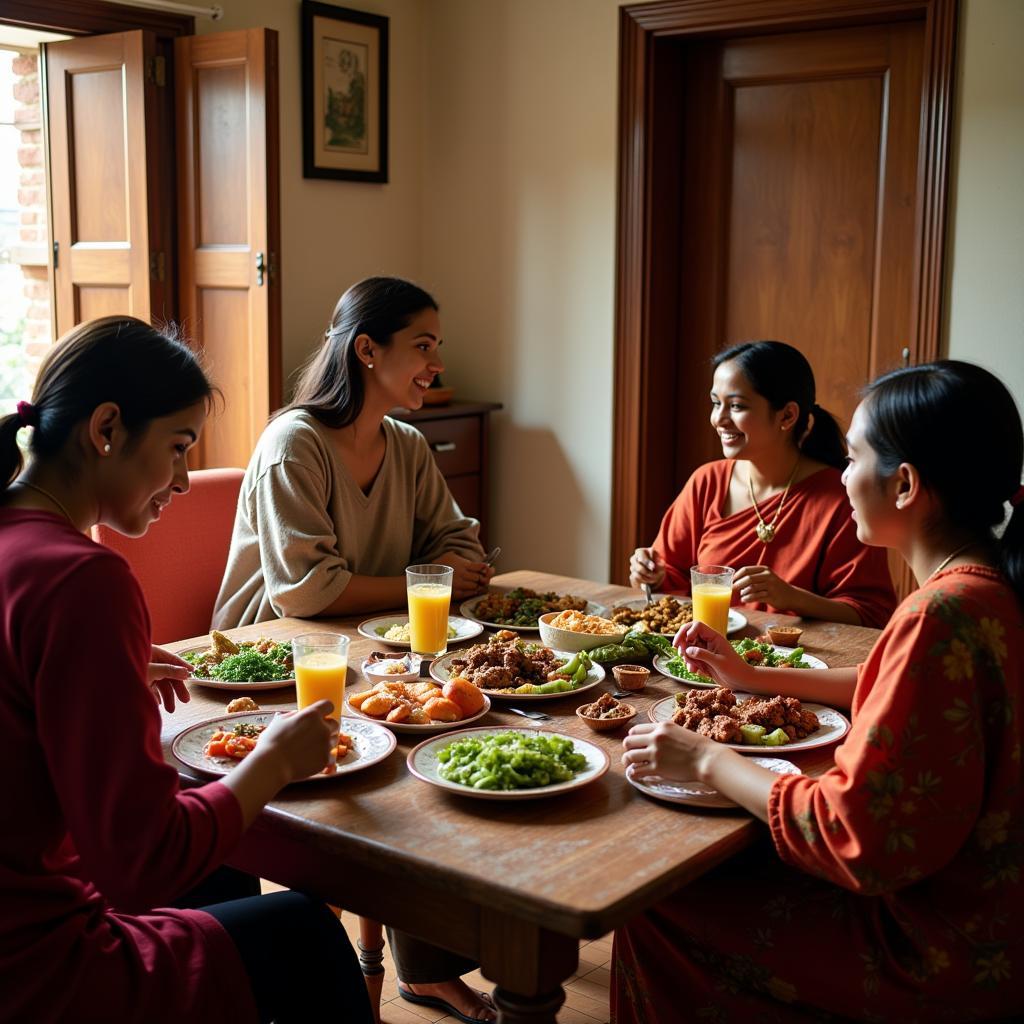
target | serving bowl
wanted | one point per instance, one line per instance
(606, 724)
(569, 640)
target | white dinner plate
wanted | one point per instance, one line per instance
(467, 609)
(245, 687)
(832, 726)
(423, 763)
(661, 665)
(737, 620)
(465, 629)
(423, 730)
(371, 743)
(440, 669)
(700, 794)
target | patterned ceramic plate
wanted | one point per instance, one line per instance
(246, 687)
(833, 726)
(661, 665)
(440, 669)
(424, 765)
(467, 608)
(737, 620)
(700, 794)
(465, 629)
(423, 730)
(372, 743)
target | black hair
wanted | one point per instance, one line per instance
(330, 385)
(781, 374)
(146, 372)
(943, 418)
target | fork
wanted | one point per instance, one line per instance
(538, 716)
(648, 595)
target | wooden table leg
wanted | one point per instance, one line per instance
(529, 964)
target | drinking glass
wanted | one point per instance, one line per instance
(429, 590)
(321, 664)
(711, 590)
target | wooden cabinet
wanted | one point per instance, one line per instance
(457, 434)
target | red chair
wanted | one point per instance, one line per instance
(180, 560)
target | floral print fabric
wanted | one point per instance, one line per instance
(900, 896)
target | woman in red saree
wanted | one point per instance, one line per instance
(774, 508)
(896, 893)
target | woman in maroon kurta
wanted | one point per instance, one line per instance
(94, 831)
(896, 892)
(780, 479)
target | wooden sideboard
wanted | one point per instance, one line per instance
(458, 436)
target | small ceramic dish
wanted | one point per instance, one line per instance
(392, 670)
(631, 677)
(784, 636)
(606, 724)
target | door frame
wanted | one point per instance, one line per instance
(650, 201)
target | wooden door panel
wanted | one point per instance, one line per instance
(226, 100)
(102, 147)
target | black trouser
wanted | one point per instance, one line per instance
(300, 963)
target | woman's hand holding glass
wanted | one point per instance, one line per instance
(646, 566)
(710, 654)
(469, 578)
(299, 743)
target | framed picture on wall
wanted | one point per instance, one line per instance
(344, 93)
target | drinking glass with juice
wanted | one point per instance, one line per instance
(711, 591)
(321, 665)
(429, 591)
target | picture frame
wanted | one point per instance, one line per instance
(344, 93)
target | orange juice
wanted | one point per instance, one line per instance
(711, 605)
(428, 617)
(320, 675)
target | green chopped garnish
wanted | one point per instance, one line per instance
(510, 760)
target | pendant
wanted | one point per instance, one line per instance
(765, 532)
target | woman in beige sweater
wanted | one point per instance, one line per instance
(338, 499)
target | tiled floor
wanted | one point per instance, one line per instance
(586, 992)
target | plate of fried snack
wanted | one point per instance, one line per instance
(667, 614)
(217, 745)
(752, 724)
(521, 608)
(225, 664)
(507, 666)
(422, 706)
(699, 794)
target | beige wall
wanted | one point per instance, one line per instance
(502, 201)
(985, 313)
(335, 232)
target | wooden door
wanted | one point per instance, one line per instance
(782, 175)
(103, 154)
(229, 230)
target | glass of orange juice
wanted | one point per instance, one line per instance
(711, 590)
(429, 590)
(321, 664)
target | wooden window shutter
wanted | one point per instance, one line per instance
(229, 228)
(101, 117)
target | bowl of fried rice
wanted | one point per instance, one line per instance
(573, 631)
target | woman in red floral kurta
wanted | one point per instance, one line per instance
(896, 892)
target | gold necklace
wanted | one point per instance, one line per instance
(766, 531)
(47, 494)
(949, 558)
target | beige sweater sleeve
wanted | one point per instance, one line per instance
(302, 568)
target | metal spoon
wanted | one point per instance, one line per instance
(536, 715)
(489, 558)
(648, 594)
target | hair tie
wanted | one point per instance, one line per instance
(1017, 497)
(28, 414)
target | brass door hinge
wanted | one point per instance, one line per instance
(156, 71)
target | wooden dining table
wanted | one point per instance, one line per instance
(514, 885)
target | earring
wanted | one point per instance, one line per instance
(106, 448)
(369, 366)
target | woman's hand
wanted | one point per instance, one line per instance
(666, 749)
(298, 742)
(646, 566)
(469, 577)
(166, 676)
(709, 653)
(757, 584)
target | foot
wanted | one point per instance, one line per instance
(466, 1000)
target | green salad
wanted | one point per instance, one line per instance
(510, 760)
(751, 651)
(247, 666)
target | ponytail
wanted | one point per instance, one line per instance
(781, 374)
(940, 418)
(10, 453)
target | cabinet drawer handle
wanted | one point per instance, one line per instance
(443, 446)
